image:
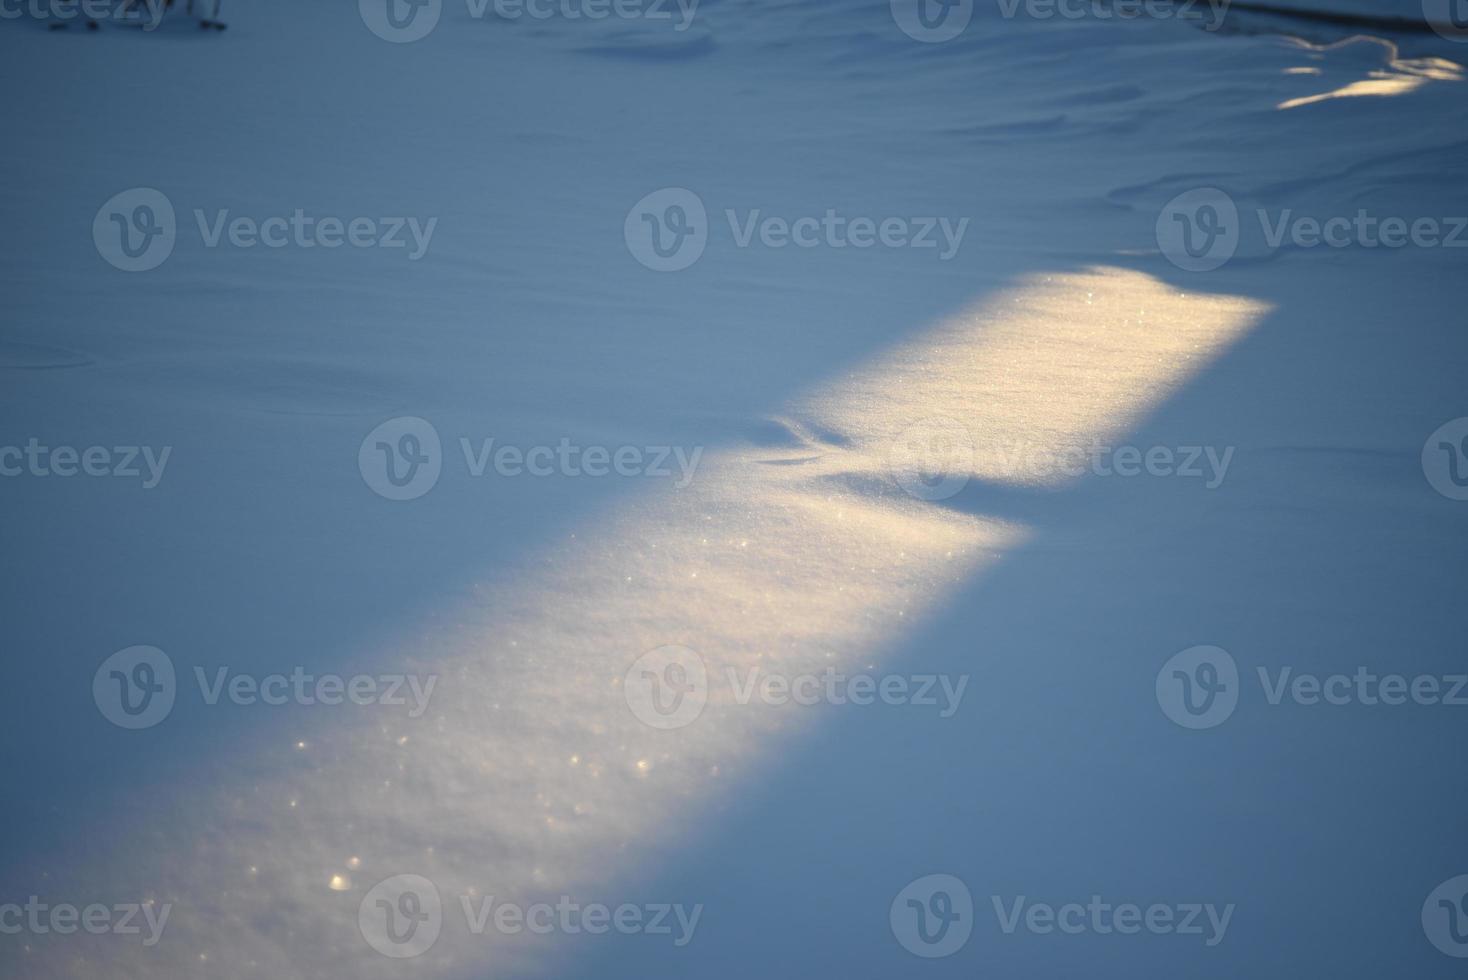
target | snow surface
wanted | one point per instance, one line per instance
(796, 371)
